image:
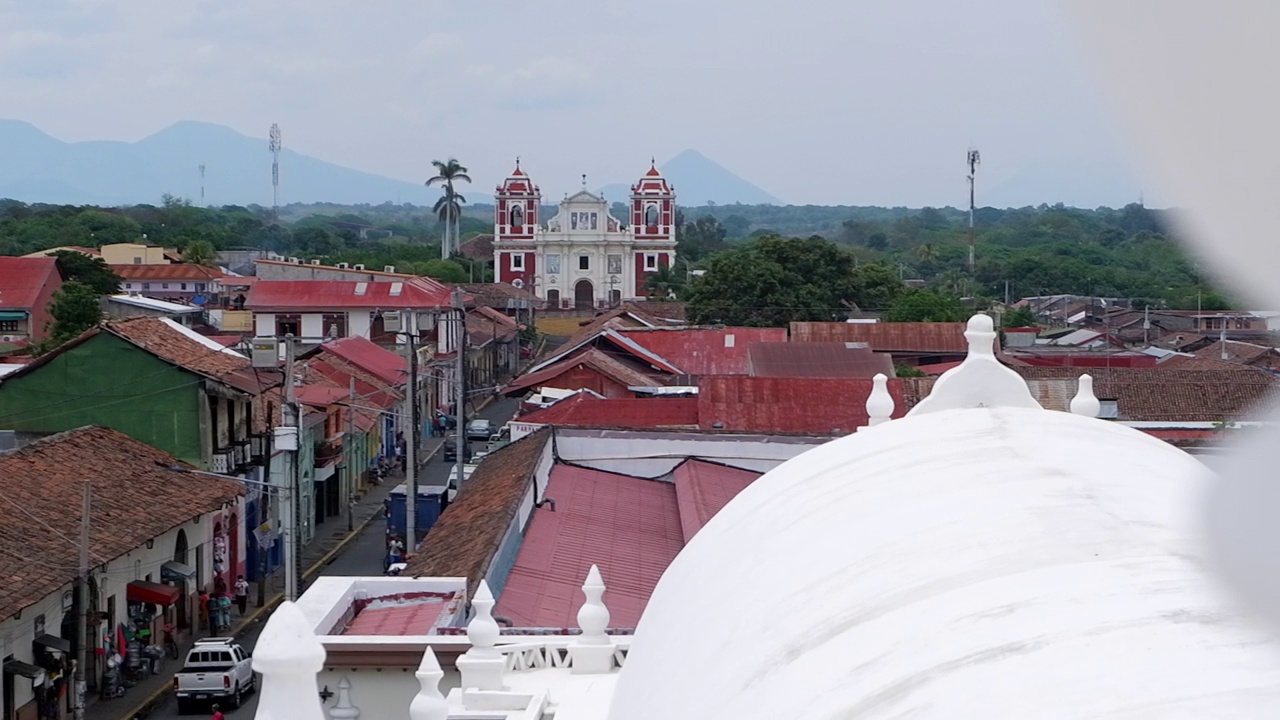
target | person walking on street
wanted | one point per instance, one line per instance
(242, 594)
(217, 714)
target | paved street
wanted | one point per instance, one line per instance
(363, 556)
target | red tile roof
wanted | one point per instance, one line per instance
(705, 351)
(590, 358)
(321, 395)
(388, 366)
(319, 295)
(628, 526)
(817, 359)
(161, 339)
(135, 497)
(586, 410)
(173, 271)
(916, 337)
(703, 488)
(469, 532)
(817, 406)
(1174, 394)
(22, 279)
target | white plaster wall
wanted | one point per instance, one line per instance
(264, 324)
(381, 692)
(16, 635)
(358, 322)
(313, 325)
(655, 454)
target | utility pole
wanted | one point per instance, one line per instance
(461, 346)
(82, 604)
(974, 161)
(264, 504)
(346, 452)
(293, 418)
(410, 325)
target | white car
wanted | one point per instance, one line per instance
(216, 670)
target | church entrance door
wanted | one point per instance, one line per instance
(584, 295)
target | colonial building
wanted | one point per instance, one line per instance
(583, 257)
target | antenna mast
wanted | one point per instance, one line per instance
(974, 160)
(202, 183)
(275, 173)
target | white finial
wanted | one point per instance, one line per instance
(289, 655)
(584, 181)
(981, 380)
(591, 653)
(1085, 402)
(593, 616)
(344, 710)
(482, 666)
(880, 403)
(483, 630)
(429, 704)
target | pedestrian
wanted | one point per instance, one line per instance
(217, 714)
(204, 608)
(242, 594)
(212, 604)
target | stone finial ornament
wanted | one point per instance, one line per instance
(344, 710)
(429, 704)
(1085, 402)
(483, 630)
(880, 403)
(981, 381)
(482, 666)
(289, 655)
(592, 651)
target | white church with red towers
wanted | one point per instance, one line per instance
(583, 257)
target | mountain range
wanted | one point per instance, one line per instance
(38, 168)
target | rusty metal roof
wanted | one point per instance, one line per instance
(816, 360)
(918, 337)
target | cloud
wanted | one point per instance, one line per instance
(435, 45)
(541, 83)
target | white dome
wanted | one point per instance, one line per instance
(1004, 562)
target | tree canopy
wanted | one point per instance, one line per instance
(91, 271)
(74, 308)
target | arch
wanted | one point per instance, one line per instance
(584, 295)
(517, 216)
(651, 216)
(180, 547)
(553, 299)
(180, 551)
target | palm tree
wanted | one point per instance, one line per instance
(927, 253)
(449, 207)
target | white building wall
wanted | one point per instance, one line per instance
(16, 635)
(358, 323)
(312, 325)
(264, 324)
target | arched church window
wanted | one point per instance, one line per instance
(517, 216)
(651, 216)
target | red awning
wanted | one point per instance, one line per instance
(141, 591)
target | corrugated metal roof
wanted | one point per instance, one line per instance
(816, 359)
(173, 271)
(598, 361)
(628, 526)
(922, 337)
(587, 410)
(390, 367)
(317, 295)
(818, 406)
(23, 278)
(1166, 393)
(705, 351)
(702, 488)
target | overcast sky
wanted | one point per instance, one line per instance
(821, 101)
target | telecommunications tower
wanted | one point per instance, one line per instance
(274, 144)
(974, 160)
(201, 183)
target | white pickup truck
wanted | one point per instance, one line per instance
(216, 670)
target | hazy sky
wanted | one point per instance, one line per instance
(819, 101)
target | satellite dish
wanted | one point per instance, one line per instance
(517, 283)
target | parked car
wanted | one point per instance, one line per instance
(479, 429)
(449, 453)
(217, 669)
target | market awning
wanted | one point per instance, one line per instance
(26, 670)
(13, 315)
(174, 570)
(141, 591)
(53, 642)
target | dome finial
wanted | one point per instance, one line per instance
(592, 651)
(482, 665)
(289, 655)
(429, 704)
(1085, 402)
(981, 380)
(880, 403)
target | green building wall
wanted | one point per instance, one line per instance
(107, 381)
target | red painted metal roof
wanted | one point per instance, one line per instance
(363, 353)
(817, 359)
(702, 488)
(628, 526)
(905, 337)
(315, 295)
(22, 279)
(586, 410)
(819, 406)
(604, 364)
(173, 271)
(410, 614)
(320, 395)
(705, 351)
(938, 368)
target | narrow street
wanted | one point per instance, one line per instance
(363, 556)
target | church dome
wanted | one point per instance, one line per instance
(981, 557)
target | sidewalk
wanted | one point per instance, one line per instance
(330, 540)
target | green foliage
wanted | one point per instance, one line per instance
(74, 309)
(1019, 318)
(700, 238)
(774, 281)
(90, 271)
(199, 252)
(927, 306)
(905, 371)
(444, 270)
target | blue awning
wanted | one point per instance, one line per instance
(13, 314)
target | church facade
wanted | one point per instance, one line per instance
(583, 257)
